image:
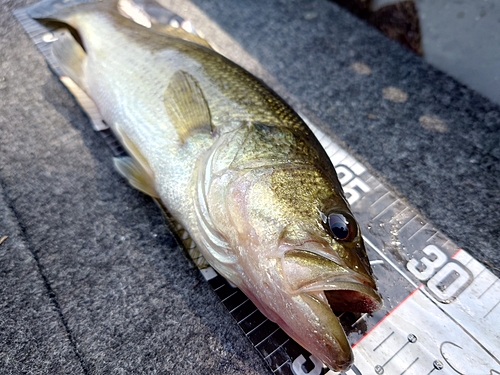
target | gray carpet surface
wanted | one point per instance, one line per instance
(92, 282)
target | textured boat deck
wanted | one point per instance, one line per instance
(91, 282)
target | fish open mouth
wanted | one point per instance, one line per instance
(352, 296)
(354, 299)
(343, 288)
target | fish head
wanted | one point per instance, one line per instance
(301, 257)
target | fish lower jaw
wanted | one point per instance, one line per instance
(314, 326)
(333, 348)
(326, 339)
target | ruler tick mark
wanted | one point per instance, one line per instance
(229, 296)
(371, 178)
(280, 366)
(341, 315)
(408, 222)
(418, 231)
(248, 316)
(411, 339)
(275, 350)
(471, 260)
(385, 209)
(360, 319)
(493, 308)
(272, 333)
(416, 359)
(383, 196)
(390, 262)
(446, 243)
(335, 152)
(216, 289)
(253, 329)
(491, 286)
(241, 304)
(400, 214)
(395, 354)
(384, 340)
(479, 274)
(431, 237)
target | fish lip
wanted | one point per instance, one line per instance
(353, 293)
(348, 282)
(362, 286)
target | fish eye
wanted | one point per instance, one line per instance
(342, 227)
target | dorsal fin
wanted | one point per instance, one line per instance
(64, 10)
(169, 23)
(186, 106)
(180, 33)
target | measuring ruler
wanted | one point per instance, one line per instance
(441, 311)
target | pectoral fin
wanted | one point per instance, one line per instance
(135, 168)
(70, 56)
(71, 59)
(132, 170)
(186, 106)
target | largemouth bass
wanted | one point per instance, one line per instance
(230, 161)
